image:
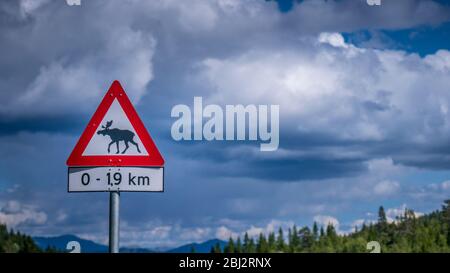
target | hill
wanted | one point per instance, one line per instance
(60, 242)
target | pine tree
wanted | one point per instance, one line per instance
(331, 231)
(238, 248)
(446, 218)
(322, 232)
(289, 244)
(315, 231)
(217, 248)
(331, 235)
(280, 241)
(306, 238)
(230, 246)
(261, 245)
(295, 241)
(251, 246)
(271, 241)
(246, 245)
(3, 233)
(382, 216)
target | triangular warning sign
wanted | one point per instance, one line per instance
(115, 136)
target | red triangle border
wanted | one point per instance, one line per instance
(153, 159)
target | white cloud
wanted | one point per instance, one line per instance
(384, 166)
(358, 222)
(352, 94)
(326, 220)
(123, 48)
(445, 185)
(14, 213)
(224, 233)
(334, 39)
(386, 187)
(29, 6)
(393, 213)
(13, 188)
(200, 16)
(439, 61)
(61, 216)
(152, 233)
(158, 234)
(195, 234)
(71, 87)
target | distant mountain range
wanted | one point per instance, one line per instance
(88, 246)
(60, 243)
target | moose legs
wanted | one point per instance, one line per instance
(111, 143)
(109, 146)
(126, 147)
(135, 144)
(132, 142)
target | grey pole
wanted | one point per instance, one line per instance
(114, 222)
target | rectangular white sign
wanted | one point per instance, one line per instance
(90, 179)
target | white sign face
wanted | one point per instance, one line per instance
(115, 135)
(90, 179)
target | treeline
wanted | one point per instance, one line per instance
(408, 233)
(15, 242)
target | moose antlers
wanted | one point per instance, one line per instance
(108, 124)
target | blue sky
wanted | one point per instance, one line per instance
(363, 95)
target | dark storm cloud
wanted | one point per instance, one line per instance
(68, 124)
(300, 169)
(10, 14)
(309, 159)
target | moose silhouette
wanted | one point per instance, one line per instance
(117, 135)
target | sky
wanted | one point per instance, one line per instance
(362, 92)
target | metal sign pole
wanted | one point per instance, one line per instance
(114, 222)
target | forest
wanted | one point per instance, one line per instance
(15, 242)
(408, 233)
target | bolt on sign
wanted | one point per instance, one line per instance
(115, 152)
